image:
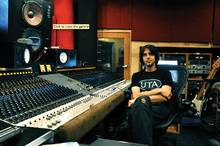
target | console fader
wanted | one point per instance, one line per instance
(26, 98)
(48, 101)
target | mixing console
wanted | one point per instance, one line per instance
(95, 78)
(26, 98)
(49, 101)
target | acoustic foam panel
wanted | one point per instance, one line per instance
(192, 20)
(216, 34)
(64, 14)
(151, 20)
(114, 14)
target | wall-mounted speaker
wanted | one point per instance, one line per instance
(15, 55)
(61, 57)
(26, 18)
(32, 13)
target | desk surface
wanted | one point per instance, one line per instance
(107, 142)
(79, 126)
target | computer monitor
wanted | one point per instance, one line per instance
(167, 62)
(174, 73)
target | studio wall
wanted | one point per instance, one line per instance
(162, 20)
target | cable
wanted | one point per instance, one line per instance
(41, 54)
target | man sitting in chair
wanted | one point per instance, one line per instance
(151, 91)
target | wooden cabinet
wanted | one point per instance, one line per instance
(199, 66)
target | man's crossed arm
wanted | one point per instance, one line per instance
(157, 95)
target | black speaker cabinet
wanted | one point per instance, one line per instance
(86, 40)
(26, 18)
(15, 55)
(61, 57)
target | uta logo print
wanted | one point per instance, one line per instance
(150, 84)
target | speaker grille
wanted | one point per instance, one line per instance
(32, 13)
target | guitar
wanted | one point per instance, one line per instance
(197, 102)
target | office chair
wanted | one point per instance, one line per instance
(180, 76)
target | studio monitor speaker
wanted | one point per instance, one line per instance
(15, 55)
(24, 19)
(61, 57)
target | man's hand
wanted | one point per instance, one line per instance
(130, 102)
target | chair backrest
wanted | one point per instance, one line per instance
(180, 76)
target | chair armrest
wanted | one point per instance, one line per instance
(171, 119)
(186, 104)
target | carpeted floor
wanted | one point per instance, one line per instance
(202, 134)
(189, 136)
(196, 136)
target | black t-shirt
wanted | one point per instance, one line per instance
(152, 80)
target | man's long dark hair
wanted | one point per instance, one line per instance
(153, 51)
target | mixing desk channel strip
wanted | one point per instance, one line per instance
(58, 116)
(49, 101)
